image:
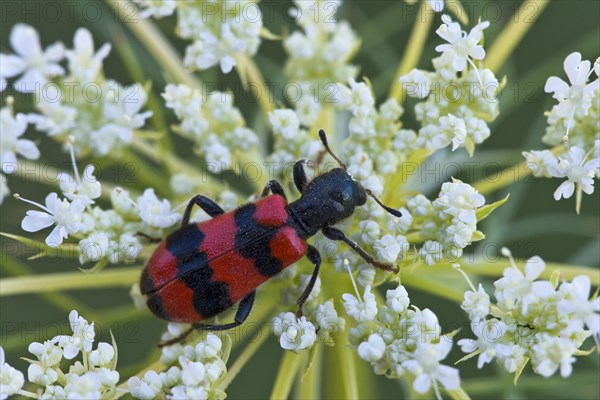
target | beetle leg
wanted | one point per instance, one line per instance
(300, 175)
(148, 237)
(209, 206)
(241, 315)
(336, 234)
(273, 187)
(313, 255)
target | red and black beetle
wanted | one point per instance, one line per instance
(203, 269)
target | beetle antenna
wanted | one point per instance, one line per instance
(323, 137)
(391, 210)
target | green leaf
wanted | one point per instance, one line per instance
(309, 361)
(520, 370)
(477, 236)
(486, 210)
(585, 352)
(265, 33)
(113, 364)
(469, 356)
(227, 344)
(99, 266)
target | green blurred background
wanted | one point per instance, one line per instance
(530, 223)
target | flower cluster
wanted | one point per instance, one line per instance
(11, 144)
(399, 341)
(574, 121)
(103, 235)
(449, 223)
(318, 56)
(11, 379)
(93, 377)
(212, 123)
(534, 320)
(455, 108)
(197, 374)
(100, 113)
(220, 31)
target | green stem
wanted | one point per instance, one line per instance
(458, 394)
(154, 41)
(510, 175)
(288, 370)
(507, 176)
(69, 281)
(249, 73)
(310, 386)
(242, 359)
(419, 281)
(515, 30)
(414, 49)
(61, 301)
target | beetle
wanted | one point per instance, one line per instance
(203, 269)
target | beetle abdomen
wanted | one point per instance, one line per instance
(203, 269)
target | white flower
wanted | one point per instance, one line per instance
(41, 375)
(514, 285)
(294, 333)
(477, 304)
(417, 83)
(93, 248)
(35, 65)
(285, 123)
(577, 302)
(48, 354)
(192, 373)
(12, 129)
(388, 248)
(432, 252)
(578, 96)
(155, 212)
(86, 189)
(372, 349)
(81, 340)
(370, 230)
(578, 170)
(428, 370)
(461, 46)
(419, 206)
(489, 335)
(551, 353)
(83, 62)
(358, 98)
(66, 216)
(397, 299)
(103, 355)
(401, 224)
(327, 318)
(147, 388)
(54, 392)
(156, 8)
(361, 311)
(541, 162)
(436, 5)
(171, 378)
(452, 129)
(209, 348)
(11, 380)
(4, 190)
(56, 118)
(86, 386)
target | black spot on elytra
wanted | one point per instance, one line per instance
(252, 241)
